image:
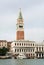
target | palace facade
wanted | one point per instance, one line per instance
(23, 46)
(39, 50)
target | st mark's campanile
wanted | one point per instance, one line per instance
(20, 27)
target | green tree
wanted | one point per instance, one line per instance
(3, 51)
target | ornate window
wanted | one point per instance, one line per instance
(15, 44)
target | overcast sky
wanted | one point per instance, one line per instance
(33, 14)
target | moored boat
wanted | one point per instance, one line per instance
(21, 56)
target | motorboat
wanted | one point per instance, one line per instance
(21, 56)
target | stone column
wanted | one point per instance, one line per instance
(41, 55)
(38, 55)
(41, 48)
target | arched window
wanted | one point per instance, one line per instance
(15, 44)
(33, 50)
(20, 44)
(15, 50)
(33, 44)
(37, 48)
(24, 44)
(42, 48)
(20, 50)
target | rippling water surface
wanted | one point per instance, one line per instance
(21, 61)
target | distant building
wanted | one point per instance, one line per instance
(39, 50)
(9, 45)
(3, 43)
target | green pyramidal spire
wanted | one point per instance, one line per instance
(20, 15)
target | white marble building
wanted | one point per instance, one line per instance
(39, 50)
(30, 48)
(25, 47)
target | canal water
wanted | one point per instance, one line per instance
(21, 61)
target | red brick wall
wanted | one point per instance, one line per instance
(20, 35)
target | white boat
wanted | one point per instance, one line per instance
(21, 56)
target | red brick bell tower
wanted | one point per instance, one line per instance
(20, 27)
